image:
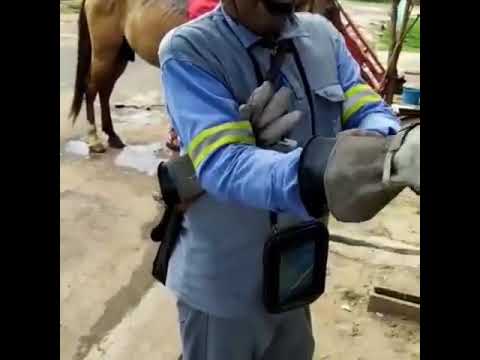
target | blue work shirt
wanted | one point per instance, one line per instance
(242, 173)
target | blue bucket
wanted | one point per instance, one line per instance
(411, 96)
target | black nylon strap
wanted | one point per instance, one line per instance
(276, 61)
(278, 57)
(274, 221)
(306, 86)
(272, 75)
(256, 67)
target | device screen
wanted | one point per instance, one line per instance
(296, 271)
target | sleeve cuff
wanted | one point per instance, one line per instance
(380, 123)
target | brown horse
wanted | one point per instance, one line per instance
(110, 33)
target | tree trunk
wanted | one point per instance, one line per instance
(393, 26)
(395, 49)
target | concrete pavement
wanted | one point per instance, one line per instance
(110, 306)
(107, 212)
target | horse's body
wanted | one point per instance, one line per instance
(110, 33)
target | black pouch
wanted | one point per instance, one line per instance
(167, 231)
(295, 266)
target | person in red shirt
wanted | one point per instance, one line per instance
(196, 8)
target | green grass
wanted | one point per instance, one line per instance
(412, 41)
(70, 6)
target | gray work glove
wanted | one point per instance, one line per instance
(267, 110)
(402, 165)
(355, 175)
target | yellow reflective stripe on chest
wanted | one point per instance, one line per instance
(210, 140)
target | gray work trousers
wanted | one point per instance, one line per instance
(271, 337)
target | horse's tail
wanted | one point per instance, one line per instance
(84, 53)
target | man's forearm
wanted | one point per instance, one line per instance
(254, 177)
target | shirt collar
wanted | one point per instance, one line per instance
(247, 38)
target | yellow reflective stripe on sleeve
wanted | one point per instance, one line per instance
(355, 98)
(224, 140)
(357, 89)
(210, 140)
(205, 134)
(368, 99)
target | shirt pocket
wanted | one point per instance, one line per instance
(328, 102)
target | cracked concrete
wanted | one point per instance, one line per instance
(123, 301)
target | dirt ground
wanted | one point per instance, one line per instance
(110, 306)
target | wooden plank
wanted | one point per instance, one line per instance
(405, 281)
(387, 305)
(397, 295)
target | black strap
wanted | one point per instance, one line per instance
(256, 66)
(280, 51)
(306, 85)
(278, 57)
(274, 221)
(276, 61)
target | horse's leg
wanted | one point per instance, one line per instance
(104, 20)
(94, 143)
(107, 125)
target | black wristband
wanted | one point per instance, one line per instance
(311, 171)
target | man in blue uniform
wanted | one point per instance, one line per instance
(210, 68)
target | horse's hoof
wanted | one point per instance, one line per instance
(97, 148)
(115, 143)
